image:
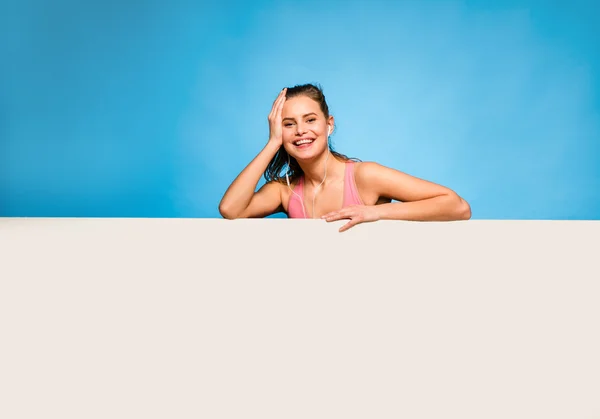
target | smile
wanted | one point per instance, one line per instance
(304, 142)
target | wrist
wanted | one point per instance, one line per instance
(387, 211)
(378, 212)
(274, 144)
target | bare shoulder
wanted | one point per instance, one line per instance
(367, 175)
(384, 181)
(366, 170)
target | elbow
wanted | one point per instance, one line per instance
(457, 209)
(226, 212)
(463, 210)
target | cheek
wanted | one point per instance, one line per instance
(288, 146)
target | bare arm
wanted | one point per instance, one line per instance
(421, 200)
(240, 199)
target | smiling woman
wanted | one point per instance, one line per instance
(300, 125)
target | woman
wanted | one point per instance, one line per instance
(300, 126)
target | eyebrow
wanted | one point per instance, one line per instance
(303, 116)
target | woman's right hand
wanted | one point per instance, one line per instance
(240, 199)
(275, 119)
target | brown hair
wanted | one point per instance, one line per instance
(279, 161)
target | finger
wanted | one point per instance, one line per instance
(277, 103)
(275, 106)
(348, 225)
(339, 215)
(281, 103)
(330, 215)
(347, 212)
(280, 97)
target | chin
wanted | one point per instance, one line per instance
(307, 154)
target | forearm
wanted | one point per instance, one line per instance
(237, 197)
(439, 208)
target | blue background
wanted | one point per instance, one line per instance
(150, 109)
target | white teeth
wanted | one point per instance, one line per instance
(303, 142)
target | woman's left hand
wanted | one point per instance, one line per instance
(356, 213)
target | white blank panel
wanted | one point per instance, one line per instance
(277, 318)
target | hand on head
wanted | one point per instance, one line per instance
(275, 119)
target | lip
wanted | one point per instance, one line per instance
(302, 146)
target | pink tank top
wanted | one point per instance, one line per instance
(351, 196)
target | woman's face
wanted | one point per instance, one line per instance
(304, 128)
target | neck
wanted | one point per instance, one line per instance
(314, 170)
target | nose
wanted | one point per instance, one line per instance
(300, 129)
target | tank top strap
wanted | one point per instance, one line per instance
(295, 208)
(351, 196)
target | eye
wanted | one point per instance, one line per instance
(287, 124)
(312, 120)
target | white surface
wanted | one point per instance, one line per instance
(276, 318)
